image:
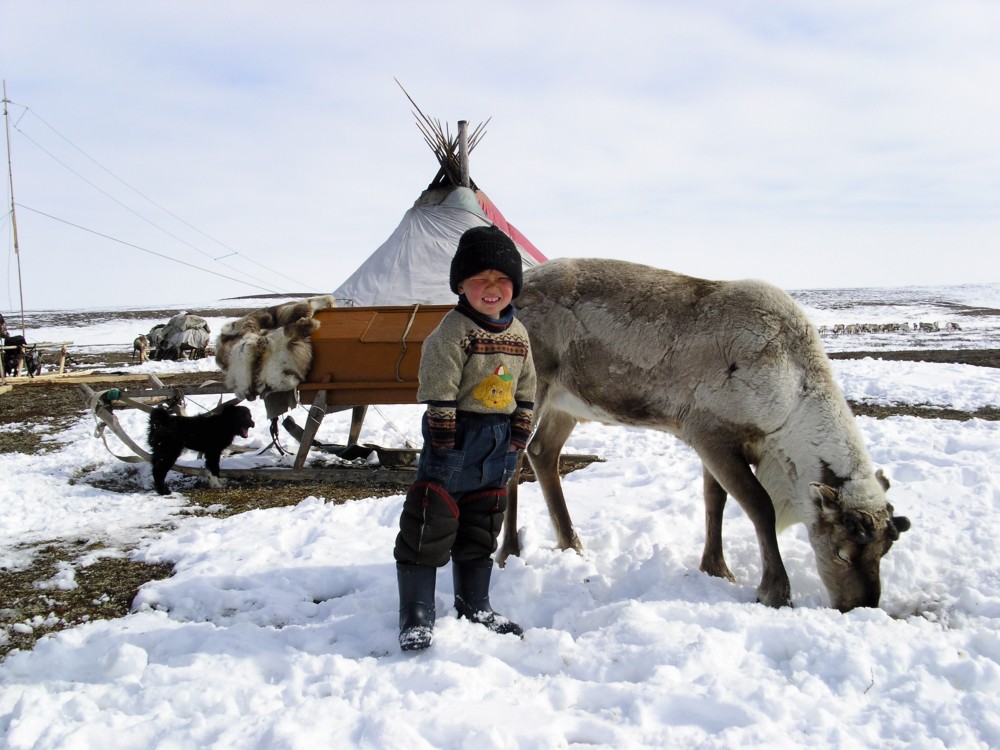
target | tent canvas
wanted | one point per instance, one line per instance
(412, 266)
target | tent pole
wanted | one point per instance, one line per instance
(463, 151)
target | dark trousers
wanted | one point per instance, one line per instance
(455, 507)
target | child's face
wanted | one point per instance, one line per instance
(489, 292)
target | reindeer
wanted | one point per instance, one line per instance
(737, 371)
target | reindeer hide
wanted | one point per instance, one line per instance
(269, 350)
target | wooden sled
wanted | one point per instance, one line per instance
(362, 356)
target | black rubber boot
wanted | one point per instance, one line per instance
(472, 596)
(416, 605)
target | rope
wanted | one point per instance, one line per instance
(409, 325)
(393, 426)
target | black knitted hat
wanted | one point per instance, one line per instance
(482, 248)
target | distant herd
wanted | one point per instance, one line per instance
(855, 328)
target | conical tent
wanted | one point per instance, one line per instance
(412, 265)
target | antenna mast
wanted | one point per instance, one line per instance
(13, 216)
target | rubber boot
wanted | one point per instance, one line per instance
(472, 596)
(416, 605)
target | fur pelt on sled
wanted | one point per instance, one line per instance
(269, 350)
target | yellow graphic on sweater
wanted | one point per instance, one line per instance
(494, 391)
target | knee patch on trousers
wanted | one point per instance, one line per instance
(427, 526)
(479, 525)
(485, 501)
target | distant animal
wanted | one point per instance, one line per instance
(32, 361)
(737, 371)
(140, 348)
(210, 434)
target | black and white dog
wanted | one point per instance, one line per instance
(212, 433)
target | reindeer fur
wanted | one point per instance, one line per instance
(269, 350)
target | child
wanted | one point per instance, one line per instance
(478, 381)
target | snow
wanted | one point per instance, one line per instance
(278, 628)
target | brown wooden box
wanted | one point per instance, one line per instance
(369, 355)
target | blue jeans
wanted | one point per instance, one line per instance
(481, 458)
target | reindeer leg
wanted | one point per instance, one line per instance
(713, 561)
(733, 472)
(511, 545)
(543, 451)
(554, 428)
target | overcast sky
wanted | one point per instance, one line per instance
(849, 143)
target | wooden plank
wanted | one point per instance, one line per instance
(81, 376)
(348, 475)
(357, 421)
(213, 389)
(353, 394)
(316, 413)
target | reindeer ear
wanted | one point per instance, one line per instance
(897, 525)
(882, 480)
(827, 503)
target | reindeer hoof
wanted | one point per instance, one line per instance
(717, 569)
(574, 544)
(776, 599)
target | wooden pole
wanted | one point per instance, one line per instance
(463, 151)
(13, 216)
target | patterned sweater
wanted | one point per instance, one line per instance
(477, 364)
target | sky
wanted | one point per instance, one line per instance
(278, 627)
(167, 152)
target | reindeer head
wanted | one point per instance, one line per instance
(851, 539)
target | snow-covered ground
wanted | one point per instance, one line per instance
(278, 628)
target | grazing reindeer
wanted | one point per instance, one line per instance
(735, 370)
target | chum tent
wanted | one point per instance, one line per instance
(412, 265)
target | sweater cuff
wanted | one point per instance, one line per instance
(441, 426)
(520, 428)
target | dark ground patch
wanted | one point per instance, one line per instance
(977, 357)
